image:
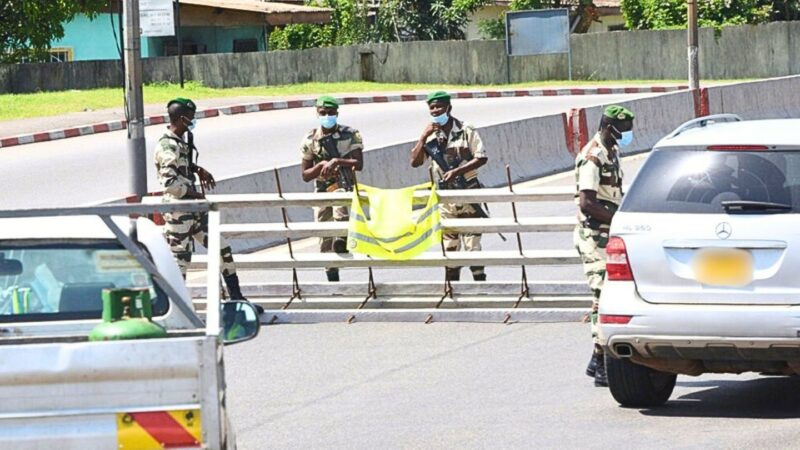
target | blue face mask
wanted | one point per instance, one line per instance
(328, 121)
(193, 124)
(440, 119)
(626, 139)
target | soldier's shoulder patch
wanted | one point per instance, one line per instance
(167, 142)
(597, 152)
(346, 130)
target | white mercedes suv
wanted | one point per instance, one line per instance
(703, 269)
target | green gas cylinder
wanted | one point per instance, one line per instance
(127, 314)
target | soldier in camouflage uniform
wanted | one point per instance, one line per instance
(176, 174)
(598, 176)
(331, 172)
(464, 154)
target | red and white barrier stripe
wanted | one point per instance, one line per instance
(115, 125)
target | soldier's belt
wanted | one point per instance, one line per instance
(596, 225)
(612, 181)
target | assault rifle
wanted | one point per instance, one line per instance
(436, 153)
(345, 178)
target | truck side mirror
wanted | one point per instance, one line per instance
(239, 321)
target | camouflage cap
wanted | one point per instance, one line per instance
(183, 101)
(327, 101)
(617, 112)
(438, 95)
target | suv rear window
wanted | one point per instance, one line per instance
(690, 181)
(65, 281)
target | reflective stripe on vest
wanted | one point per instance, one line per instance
(21, 305)
(393, 230)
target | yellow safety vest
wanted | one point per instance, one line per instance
(20, 305)
(392, 230)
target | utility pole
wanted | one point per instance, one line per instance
(134, 104)
(178, 36)
(694, 65)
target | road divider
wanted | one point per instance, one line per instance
(769, 99)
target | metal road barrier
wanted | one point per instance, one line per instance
(503, 301)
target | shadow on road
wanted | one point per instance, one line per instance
(762, 398)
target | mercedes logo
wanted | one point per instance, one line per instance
(724, 230)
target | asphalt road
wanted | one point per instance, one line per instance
(94, 168)
(448, 385)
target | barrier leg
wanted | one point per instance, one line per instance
(371, 293)
(524, 289)
(296, 291)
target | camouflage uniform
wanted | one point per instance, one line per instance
(176, 175)
(598, 169)
(463, 144)
(347, 140)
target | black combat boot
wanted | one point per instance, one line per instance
(592, 367)
(480, 275)
(600, 378)
(332, 274)
(235, 291)
(340, 245)
(452, 273)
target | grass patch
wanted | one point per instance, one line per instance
(43, 104)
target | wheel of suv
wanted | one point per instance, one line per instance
(633, 385)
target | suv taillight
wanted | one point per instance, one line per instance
(617, 266)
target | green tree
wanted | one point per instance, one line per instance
(350, 24)
(405, 20)
(496, 28)
(672, 14)
(27, 27)
(356, 22)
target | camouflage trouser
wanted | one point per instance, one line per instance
(591, 246)
(327, 214)
(453, 241)
(181, 228)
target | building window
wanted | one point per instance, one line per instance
(61, 54)
(189, 47)
(245, 45)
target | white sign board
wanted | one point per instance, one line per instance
(156, 18)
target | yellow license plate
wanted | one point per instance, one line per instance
(724, 267)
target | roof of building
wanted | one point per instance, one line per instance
(275, 13)
(597, 3)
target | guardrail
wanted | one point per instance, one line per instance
(506, 300)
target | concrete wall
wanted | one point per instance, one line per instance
(769, 50)
(655, 117)
(772, 99)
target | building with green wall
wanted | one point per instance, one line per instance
(207, 26)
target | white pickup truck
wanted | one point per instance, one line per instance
(60, 389)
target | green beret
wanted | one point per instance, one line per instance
(618, 113)
(183, 101)
(327, 101)
(438, 95)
